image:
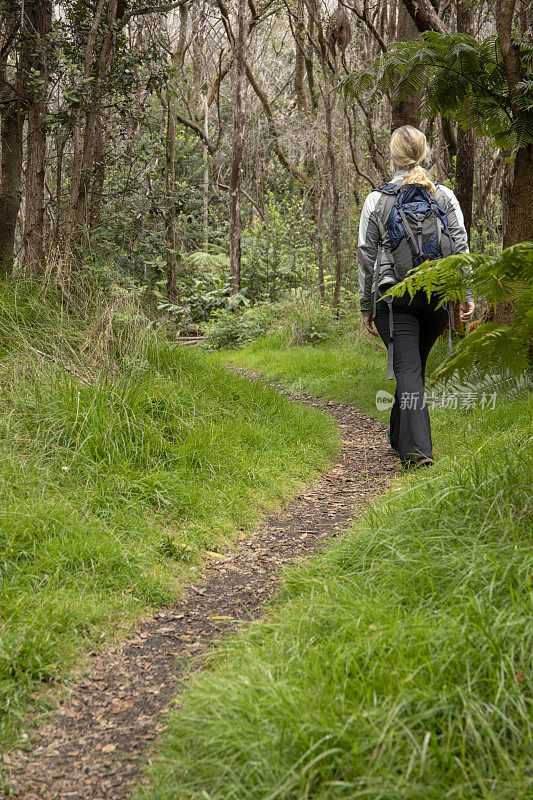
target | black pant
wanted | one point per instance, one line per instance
(417, 326)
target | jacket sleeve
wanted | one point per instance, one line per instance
(457, 230)
(367, 253)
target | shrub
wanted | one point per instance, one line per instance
(232, 329)
(300, 321)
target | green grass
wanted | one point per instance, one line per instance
(350, 370)
(111, 491)
(399, 663)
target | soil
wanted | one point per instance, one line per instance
(99, 739)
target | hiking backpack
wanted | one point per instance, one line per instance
(413, 229)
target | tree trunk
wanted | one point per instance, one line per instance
(406, 111)
(13, 114)
(519, 226)
(89, 128)
(424, 16)
(206, 176)
(39, 16)
(519, 211)
(78, 137)
(171, 239)
(518, 214)
(299, 58)
(11, 185)
(239, 120)
(464, 162)
(171, 231)
(464, 174)
(336, 239)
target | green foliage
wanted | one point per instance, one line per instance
(502, 277)
(300, 320)
(112, 487)
(199, 299)
(232, 329)
(460, 77)
(398, 664)
(279, 252)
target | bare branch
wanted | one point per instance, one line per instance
(273, 128)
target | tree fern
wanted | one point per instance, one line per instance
(509, 274)
(460, 77)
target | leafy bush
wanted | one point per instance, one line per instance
(234, 330)
(278, 251)
(300, 321)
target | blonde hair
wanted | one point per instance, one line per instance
(408, 147)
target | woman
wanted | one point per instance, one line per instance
(415, 322)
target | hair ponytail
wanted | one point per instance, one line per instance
(408, 147)
(419, 175)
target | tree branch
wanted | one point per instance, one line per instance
(189, 123)
(424, 16)
(362, 15)
(273, 128)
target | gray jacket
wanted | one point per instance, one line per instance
(371, 223)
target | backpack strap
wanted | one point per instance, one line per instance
(389, 188)
(450, 307)
(416, 248)
(377, 270)
(392, 336)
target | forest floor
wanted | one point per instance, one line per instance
(98, 740)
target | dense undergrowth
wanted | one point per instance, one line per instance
(399, 663)
(122, 459)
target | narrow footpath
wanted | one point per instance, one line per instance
(98, 740)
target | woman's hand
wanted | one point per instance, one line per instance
(369, 325)
(466, 311)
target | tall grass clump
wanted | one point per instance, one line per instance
(122, 459)
(397, 665)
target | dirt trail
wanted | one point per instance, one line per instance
(97, 742)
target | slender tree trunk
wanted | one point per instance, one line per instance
(40, 20)
(336, 238)
(464, 174)
(11, 184)
(299, 58)
(519, 210)
(12, 117)
(89, 129)
(317, 200)
(239, 121)
(519, 213)
(73, 212)
(309, 63)
(60, 151)
(171, 238)
(331, 158)
(171, 230)
(206, 175)
(464, 162)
